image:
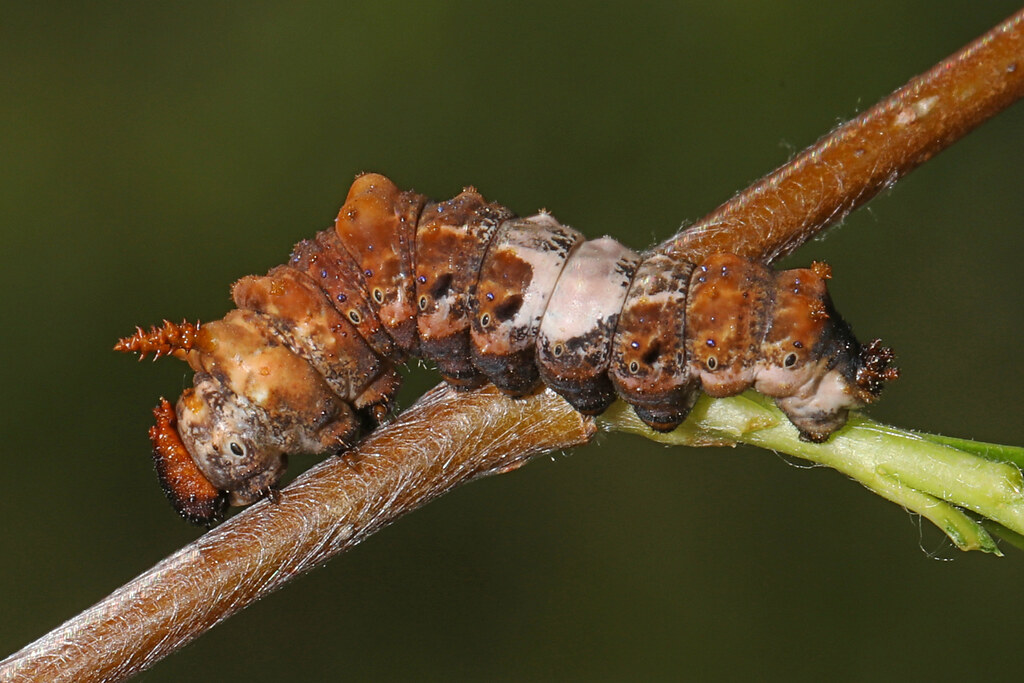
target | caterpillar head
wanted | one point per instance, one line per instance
(203, 460)
(252, 404)
(233, 444)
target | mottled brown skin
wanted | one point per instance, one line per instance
(377, 226)
(726, 312)
(800, 317)
(311, 328)
(307, 322)
(648, 365)
(326, 261)
(242, 353)
(451, 242)
(505, 356)
(578, 369)
(809, 359)
(307, 359)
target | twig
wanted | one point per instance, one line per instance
(855, 161)
(449, 438)
(446, 439)
(932, 476)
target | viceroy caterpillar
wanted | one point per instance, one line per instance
(308, 359)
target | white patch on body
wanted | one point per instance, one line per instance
(532, 240)
(591, 289)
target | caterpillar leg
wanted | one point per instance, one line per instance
(375, 401)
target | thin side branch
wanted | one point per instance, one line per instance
(936, 477)
(449, 438)
(850, 165)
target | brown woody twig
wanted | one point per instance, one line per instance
(448, 438)
(855, 161)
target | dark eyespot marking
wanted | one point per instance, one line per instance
(354, 316)
(441, 286)
(652, 354)
(236, 449)
(485, 320)
(508, 308)
(712, 363)
(790, 360)
(634, 367)
(423, 303)
(378, 295)
(557, 350)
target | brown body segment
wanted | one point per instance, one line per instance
(648, 359)
(242, 352)
(451, 242)
(247, 359)
(312, 328)
(799, 319)
(727, 306)
(809, 360)
(516, 279)
(377, 226)
(326, 261)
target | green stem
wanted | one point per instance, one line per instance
(936, 477)
(989, 451)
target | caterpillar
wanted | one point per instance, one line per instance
(308, 358)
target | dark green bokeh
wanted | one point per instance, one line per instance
(153, 153)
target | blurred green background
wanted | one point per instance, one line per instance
(154, 152)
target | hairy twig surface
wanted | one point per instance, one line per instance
(855, 161)
(449, 438)
(446, 439)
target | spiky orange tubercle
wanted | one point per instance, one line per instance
(189, 491)
(172, 339)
